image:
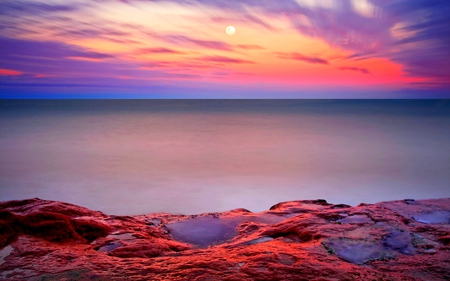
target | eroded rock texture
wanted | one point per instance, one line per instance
(298, 240)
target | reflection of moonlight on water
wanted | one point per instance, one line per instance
(230, 30)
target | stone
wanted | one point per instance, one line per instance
(297, 240)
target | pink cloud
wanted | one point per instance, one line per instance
(300, 57)
(158, 50)
(250, 47)
(179, 39)
(221, 59)
(10, 72)
(362, 70)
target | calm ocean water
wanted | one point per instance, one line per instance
(191, 156)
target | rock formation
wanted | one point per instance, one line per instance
(298, 240)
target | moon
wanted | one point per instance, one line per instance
(230, 30)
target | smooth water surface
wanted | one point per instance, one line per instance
(193, 156)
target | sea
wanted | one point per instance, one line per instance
(130, 157)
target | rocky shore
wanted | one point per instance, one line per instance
(298, 240)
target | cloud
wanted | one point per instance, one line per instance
(258, 21)
(243, 19)
(17, 7)
(158, 50)
(414, 33)
(181, 39)
(56, 59)
(27, 63)
(220, 59)
(422, 45)
(428, 85)
(178, 65)
(156, 64)
(362, 70)
(300, 57)
(250, 47)
(232, 5)
(91, 32)
(91, 55)
(10, 72)
(13, 48)
(72, 21)
(164, 75)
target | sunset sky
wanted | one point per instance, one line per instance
(179, 49)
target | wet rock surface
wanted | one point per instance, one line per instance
(297, 240)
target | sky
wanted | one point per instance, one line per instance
(179, 49)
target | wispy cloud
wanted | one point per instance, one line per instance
(61, 41)
(414, 33)
(10, 72)
(17, 7)
(52, 59)
(88, 31)
(91, 55)
(422, 46)
(158, 50)
(250, 47)
(185, 40)
(220, 59)
(300, 57)
(358, 69)
(243, 19)
(13, 48)
(189, 64)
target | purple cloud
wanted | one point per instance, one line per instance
(192, 65)
(246, 18)
(16, 48)
(362, 70)
(220, 59)
(258, 21)
(423, 50)
(90, 55)
(50, 59)
(91, 32)
(250, 47)
(180, 39)
(16, 7)
(412, 33)
(300, 57)
(158, 50)
(43, 65)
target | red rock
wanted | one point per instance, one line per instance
(298, 240)
(8, 227)
(49, 226)
(90, 229)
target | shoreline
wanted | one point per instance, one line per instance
(295, 240)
